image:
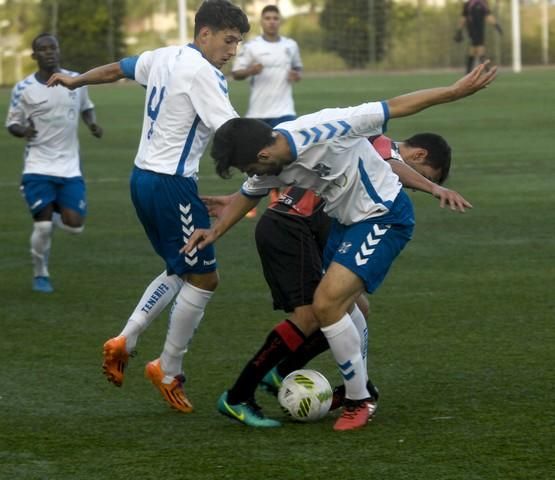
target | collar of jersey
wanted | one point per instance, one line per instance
(194, 47)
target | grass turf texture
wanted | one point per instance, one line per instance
(461, 331)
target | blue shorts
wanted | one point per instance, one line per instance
(40, 191)
(368, 248)
(170, 210)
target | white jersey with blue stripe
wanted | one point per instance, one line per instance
(271, 93)
(55, 114)
(333, 157)
(186, 101)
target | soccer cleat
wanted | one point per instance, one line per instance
(339, 395)
(271, 382)
(172, 392)
(248, 413)
(115, 360)
(251, 213)
(356, 414)
(42, 284)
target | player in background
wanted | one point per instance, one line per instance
(290, 237)
(272, 63)
(475, 15)
(328, 152)
(52, 182)
(186, 101)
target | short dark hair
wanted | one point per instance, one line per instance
(439, 152)
(270, 8)
(219, 15)
(39, 36)
(237, 143)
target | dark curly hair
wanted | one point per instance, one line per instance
(237, 143)
(219, 15)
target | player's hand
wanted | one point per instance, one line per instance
(255, 69)
(480, 77)
(451, 199)
(293, 76)
(216, 204)
(96, 130)
(30, 132)
(201, 237)
(458, 37)
(63, 80)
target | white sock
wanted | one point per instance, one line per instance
(156, 297)
(362, 329)
(344, 343)
(58, 222)
(41, 239)
(187, 312)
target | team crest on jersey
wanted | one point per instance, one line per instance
(344, 247)
(322, 170)
(72, 94)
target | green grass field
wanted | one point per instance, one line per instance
(462, 331)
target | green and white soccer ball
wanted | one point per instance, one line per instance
(306, 395)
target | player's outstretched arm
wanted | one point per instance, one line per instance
(235, 211)
(410, 178)
(104, 74)
(480, 77)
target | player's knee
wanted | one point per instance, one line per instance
(323, 310)
(207, 281)
(305, 319)
(69, 222)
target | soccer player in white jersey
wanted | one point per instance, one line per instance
(186, 101)
(52, 182)
(272, 63)
(328, 152)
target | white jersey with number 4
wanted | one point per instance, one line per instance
(186, 101)
(55, 114)
(271, 94)
(333, 157)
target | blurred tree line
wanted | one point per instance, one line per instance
(332, 34)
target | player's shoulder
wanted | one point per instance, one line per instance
(190, 58)
(24, 88)
(288, 41)
(25, 83)
(252, 43)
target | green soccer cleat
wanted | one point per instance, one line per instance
(248, 413)
(271, 382)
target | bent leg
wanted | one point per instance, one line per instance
(185, 316)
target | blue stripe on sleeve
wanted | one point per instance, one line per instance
(127, 66)
(385, 115)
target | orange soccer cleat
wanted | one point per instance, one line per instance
(251, 213)
(172, 392)
(115, 360)
(356, 414)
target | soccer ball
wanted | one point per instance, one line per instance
(306, 395)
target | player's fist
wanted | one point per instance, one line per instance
(96, 130)
(30, 132)
(255, 69)
(458, 37)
